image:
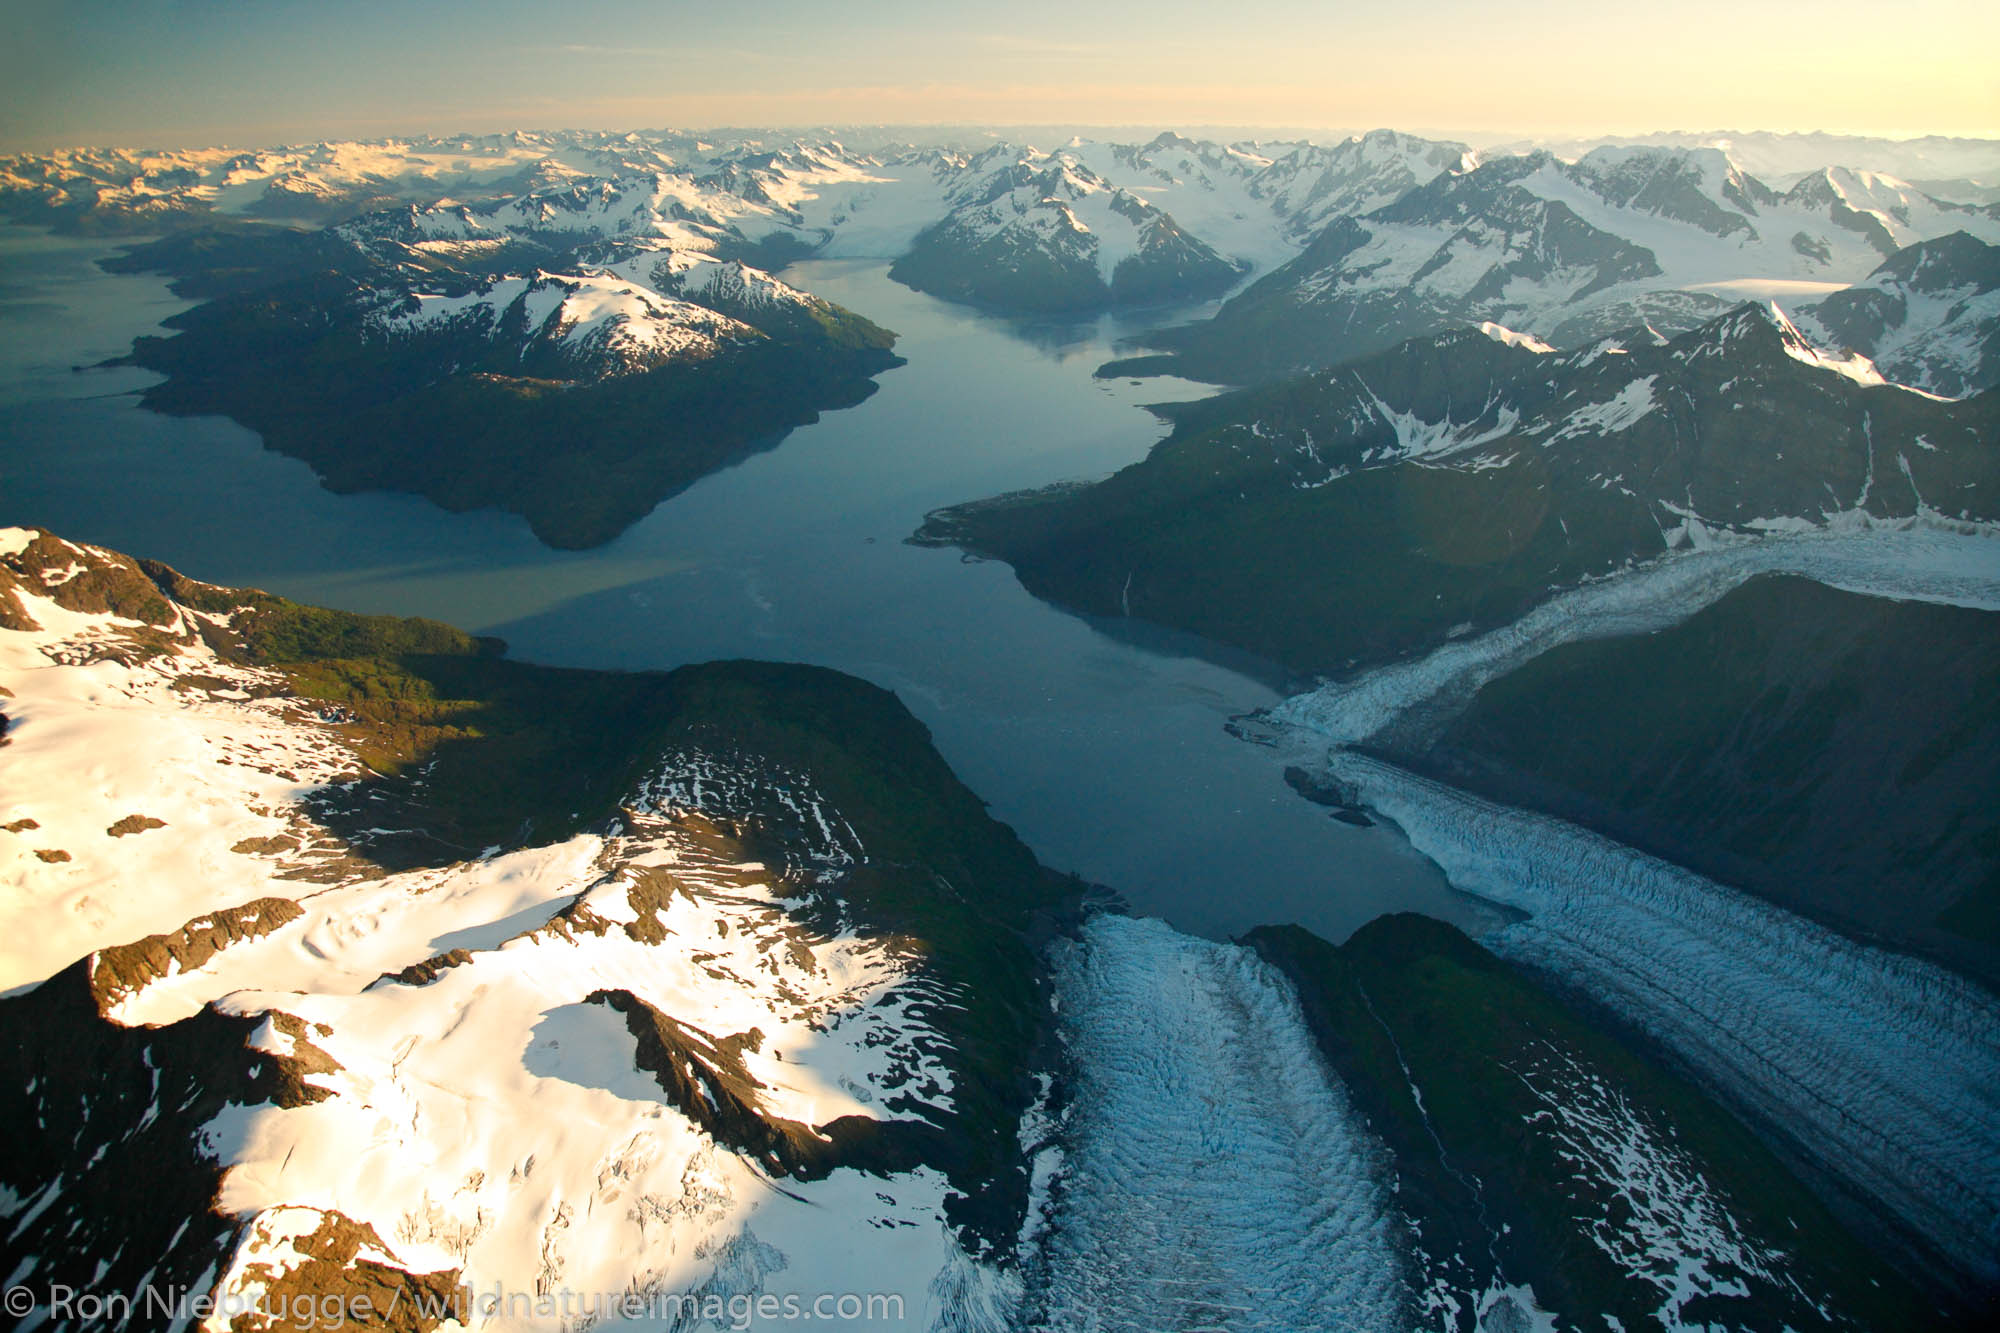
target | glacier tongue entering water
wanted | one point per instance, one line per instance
(1882, 1069)
(1215, 1175)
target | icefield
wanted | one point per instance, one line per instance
(1212, 1174)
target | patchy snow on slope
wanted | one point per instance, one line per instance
(1053, 202)
(1939, 330)
(1662, 1220)
(1620, 412)
(614, 324)
(1928, 324)
(1419, 438)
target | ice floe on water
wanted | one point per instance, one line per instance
(1214, 1175)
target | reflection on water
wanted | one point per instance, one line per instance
(1105, 750)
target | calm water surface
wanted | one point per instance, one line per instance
(1103, 745)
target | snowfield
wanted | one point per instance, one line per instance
(185, 740)
(487, 1113)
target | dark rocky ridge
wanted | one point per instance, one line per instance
(1955, 351)
(478, 417)
(1355, 515)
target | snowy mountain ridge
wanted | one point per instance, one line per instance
(593, 325)
(1567, 251)
(1563, 247)
(637, 1059)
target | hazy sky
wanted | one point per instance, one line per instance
(180, 72)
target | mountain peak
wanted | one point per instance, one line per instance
(1958, 259)
(1761, 326)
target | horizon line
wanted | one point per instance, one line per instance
(1899, 135)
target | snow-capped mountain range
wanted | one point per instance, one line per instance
(1045, 232)
(1399, 234)
(1963, 168)
(1567, 251)
(1581, 415)
(1362, 512)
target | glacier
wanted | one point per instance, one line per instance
(1882, 1071)
(1213, 1174)
(1404, 703)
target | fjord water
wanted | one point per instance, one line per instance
(1103, 745)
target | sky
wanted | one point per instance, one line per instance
(179, 73)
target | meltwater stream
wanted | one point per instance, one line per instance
(1105, 750)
